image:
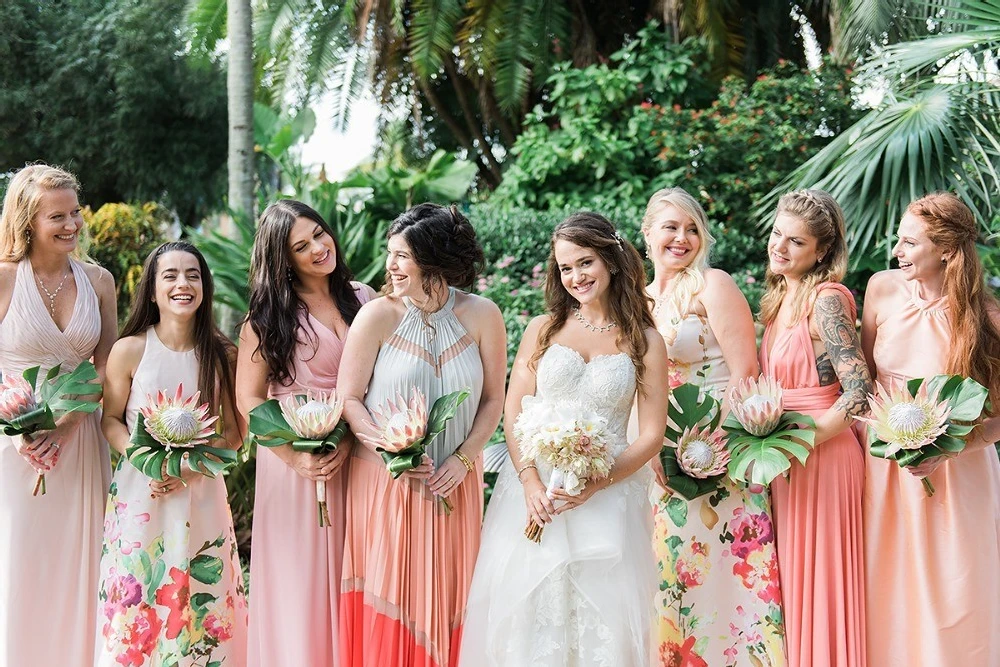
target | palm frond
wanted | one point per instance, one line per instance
(929, 141)
(513, 75)
(432, 33)
(207, 21)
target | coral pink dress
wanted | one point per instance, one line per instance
(817, 516)
(294, 564)
(408, 565)
(50, 546)
(932, 564)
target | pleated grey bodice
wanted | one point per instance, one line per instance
(435, 353)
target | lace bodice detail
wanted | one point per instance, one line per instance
(605, 384)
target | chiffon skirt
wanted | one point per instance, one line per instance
(582, 596)
(407, 567)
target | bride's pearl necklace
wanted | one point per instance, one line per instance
(587, 325)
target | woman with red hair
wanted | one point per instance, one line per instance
(933, 563)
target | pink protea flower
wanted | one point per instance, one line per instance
(906, 422)
(402, 424)
(178, 422)
(702, 453)
(16, 397)
(757, 404)
(313, 417)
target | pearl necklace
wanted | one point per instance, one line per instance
(588, 325)
(52, 295)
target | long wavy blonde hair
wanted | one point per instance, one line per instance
(825, 219)
(21, 203)
(689, 283)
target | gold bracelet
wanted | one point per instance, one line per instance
(464, 459)
(525, 467)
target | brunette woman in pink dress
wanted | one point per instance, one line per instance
(811, 346)
(54, 309)
(407, 563)
(933, 563)
(302, 301)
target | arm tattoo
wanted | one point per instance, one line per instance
(841, 340)
(825, 369)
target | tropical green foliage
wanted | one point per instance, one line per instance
(105, 89)
(121, 236)
(937, 128)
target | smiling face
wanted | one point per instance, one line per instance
(311, 250)
(57, 225)
(404, 274)
(791, 249)
(582, 271)
(179, 289)
(673, 239)
(919, 258)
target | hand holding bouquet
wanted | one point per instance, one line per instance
(171, 429)
(309, 423)
(407, 430)
(695, 463)
(924, 419)
(23, 412)
(762, 437)
(569, 441)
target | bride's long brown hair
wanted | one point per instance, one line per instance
(630, 307)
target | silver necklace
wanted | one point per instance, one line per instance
(587, 325)
(52, 295)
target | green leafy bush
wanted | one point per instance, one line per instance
(121, 236)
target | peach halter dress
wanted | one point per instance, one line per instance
(817, 516)
(932, 564)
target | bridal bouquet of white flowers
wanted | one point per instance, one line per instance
(567, 441)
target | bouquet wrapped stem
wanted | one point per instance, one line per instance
(25, 412)
(309, 423)
(407, 430)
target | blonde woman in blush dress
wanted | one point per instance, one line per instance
(811, 346)
(302, 303)
(54, 309)
(171, 590)
(583, 596)
(720, 600)
(407, 563)
(933, 563)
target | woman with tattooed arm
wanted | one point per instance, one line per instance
(811, 346)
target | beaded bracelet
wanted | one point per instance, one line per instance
(464, 459)
(526, 467)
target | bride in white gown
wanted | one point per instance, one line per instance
(583, 595)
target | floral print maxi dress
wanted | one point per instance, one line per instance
(171, 592)
(719, 603)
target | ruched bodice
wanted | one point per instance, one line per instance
(29, 336)
(605, 385)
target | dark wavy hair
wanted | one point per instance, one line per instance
(443, 243)
(275, 306)
(212, 348)
(630, 306)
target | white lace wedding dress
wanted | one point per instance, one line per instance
(584, 595)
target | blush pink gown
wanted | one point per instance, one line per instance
(932, 563)
(817, 517)
(295, 566)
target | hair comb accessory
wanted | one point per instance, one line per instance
(618, 239)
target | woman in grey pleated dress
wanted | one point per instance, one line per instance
(407, 563)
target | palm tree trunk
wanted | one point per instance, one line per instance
(239, 83)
